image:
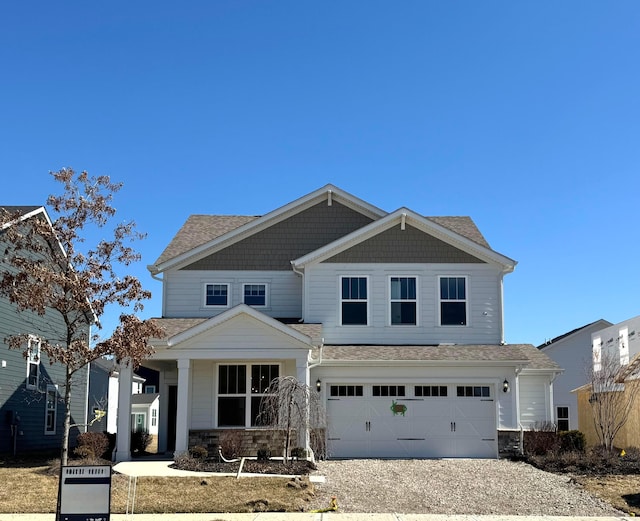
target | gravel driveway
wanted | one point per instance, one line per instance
(452, 487)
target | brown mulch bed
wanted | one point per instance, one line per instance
(293, 467)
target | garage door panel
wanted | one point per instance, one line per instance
(433, 426)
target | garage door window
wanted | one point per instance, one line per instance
(430, 390)
(388, 390)
(474, 391)
(345, 390)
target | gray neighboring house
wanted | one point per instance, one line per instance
(572, 352)
(100, 375)
(32, 389)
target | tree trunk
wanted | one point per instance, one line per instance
(64, 453)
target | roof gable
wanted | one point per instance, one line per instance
(407, 221)
(186, 248)
(201, 326)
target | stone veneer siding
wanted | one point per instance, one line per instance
(509, 444)
(252, 440)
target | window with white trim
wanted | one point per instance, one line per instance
(453, 301)
(51, 410)
(241, 388)
(33, 362)
(354, 301)
(150, 389)
(562, 418)
(154, 417)
(597, 354)
(255, 294)
(403, 301)
(216, 295)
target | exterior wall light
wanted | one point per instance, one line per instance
(505, 386)
(318, 385)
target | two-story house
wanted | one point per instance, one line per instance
(31, 388)
(395, 318)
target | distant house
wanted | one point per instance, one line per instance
(100, 376)
(137, 386)
(572, 352)
(31, 389)
(396, 319)
(618, 344)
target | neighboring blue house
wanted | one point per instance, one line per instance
(32, 389)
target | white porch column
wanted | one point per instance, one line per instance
(182, 413)
(302, 374)
(123, 437)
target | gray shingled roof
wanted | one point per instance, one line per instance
(19, 209)
(144, 398)
(174, 326)
(458, 352)
(201, 229)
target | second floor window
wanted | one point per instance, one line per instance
(453, 301)
(354, 301)
(255, 295)
(216, 295)
(33, 363)
(403, 301)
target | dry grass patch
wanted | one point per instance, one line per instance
(159, 494)
(623, 492)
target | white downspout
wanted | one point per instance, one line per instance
(501, 305)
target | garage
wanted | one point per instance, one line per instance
(416, 420)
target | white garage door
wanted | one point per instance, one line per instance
(411, 421)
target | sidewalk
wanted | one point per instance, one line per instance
(330, 516)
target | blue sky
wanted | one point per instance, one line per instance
(523, 115)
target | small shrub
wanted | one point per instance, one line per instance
(572, 441)
(198, 452)
(84, 452)
(94, 443)
(231, 443)
(264, 454)
(298, 453)
(541, 439)
(140, 440)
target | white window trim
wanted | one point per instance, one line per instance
(568, 418)
(597, 354)
(247, 395)
(150, 389)
(266, 293)
(54, 389)
(144, 419)
(215, 306)
(33, 340)
(341, 300)
(391, 300)
(154, 417)
(466, 300)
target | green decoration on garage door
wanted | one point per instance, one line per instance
(398, 408)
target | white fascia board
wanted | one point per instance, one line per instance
(417, 221)
(328, 192)
(424, 363)
(240, 309)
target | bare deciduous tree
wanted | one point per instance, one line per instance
(53, 272)
(292, 407)
(613, 395)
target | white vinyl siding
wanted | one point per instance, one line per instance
(184, 289)
(534, 400)
(483, 304)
